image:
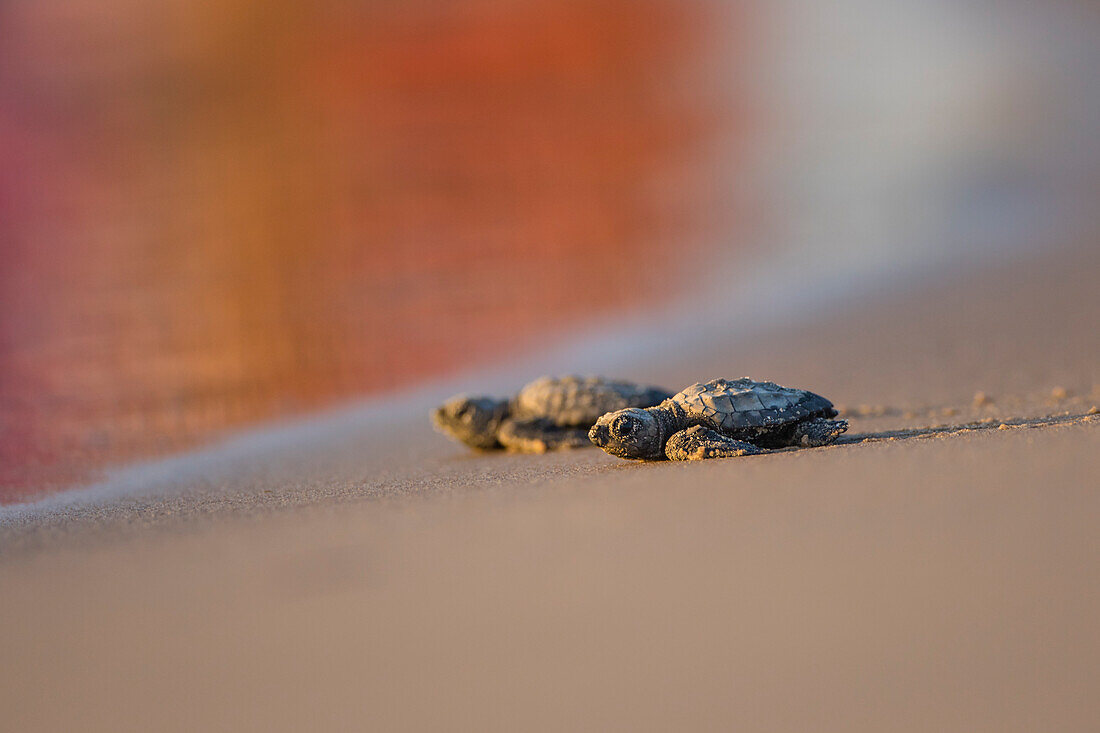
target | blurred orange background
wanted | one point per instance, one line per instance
(217, 213)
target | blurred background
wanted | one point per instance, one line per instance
(216, 214)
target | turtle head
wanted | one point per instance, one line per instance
(630, 433)
(471, 420)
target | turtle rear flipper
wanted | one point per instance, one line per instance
(539, 435)
(813, 433)
(697, 443)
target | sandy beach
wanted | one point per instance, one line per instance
(936, 570)
(245, 248)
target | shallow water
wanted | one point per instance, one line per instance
(342, 203)
(331, 203)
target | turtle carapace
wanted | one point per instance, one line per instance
(720, 419)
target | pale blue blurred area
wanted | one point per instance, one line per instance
(911, 133)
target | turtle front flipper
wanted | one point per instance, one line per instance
(814, 433)
(696, 443)
(539, 435)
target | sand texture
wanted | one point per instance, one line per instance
(938, 569)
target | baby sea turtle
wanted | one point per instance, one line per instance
(720, 419)
(547, 414)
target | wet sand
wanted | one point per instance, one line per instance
(934, 571)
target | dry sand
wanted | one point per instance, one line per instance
(934, 572)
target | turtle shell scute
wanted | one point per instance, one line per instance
(574, 400)
(747, 403)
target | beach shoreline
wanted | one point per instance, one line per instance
(667, 344)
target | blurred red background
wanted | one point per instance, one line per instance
(217, 213)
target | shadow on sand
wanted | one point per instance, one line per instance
(935, 430)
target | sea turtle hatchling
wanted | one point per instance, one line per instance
(548, 414)
(720, 419)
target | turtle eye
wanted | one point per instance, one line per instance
(624, 425)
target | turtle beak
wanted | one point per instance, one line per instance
(598, 435)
